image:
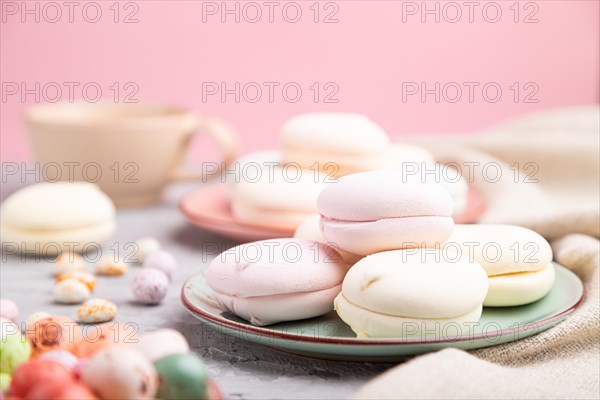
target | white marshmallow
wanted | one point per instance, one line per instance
(48, 217)
(384, 292)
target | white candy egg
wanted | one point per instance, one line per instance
(35, 317)
(119, 372)
(96, 310)
(70, 291)
(161, 343)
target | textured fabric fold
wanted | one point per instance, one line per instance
(563, 206)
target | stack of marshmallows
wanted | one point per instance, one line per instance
(279, 188)
(382, 249)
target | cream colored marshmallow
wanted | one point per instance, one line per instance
(385, 292)
(50, 217)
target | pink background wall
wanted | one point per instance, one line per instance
(368, 53)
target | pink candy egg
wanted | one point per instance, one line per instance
(8, 309)
(150, 286)
(162, 260)
(34, 372)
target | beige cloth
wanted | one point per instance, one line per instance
(563, 362)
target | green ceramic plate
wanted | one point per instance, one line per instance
(329, 337)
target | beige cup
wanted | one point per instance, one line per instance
(130, 150)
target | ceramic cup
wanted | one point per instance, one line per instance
(130, 150)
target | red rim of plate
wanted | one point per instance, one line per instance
(475, 207)
(194, 217)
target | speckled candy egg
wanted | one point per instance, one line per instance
(162, 260)
(35, 317)
(28, 375)
(110, 266)
(150, 286)
(182, 376)
(70, 291)
(68, 262)
(84, 277)
(120, 373)
(162, 343)
(67, 359)
(98, 337)
(96, 310)
(145, 246)
(8, 309)
(53, 333)
(14, 349)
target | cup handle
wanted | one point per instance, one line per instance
(227, 141)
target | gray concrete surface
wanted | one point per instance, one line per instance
(242, 369)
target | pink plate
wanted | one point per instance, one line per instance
(209, 208)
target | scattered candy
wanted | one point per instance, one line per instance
(182, 376)
(70, 291)
(68, 262)
(162, 260)
(60, 360)
(86, 278)
(108, 265)
(120, 373)
(34, 372)
(99, 337)
(35, 317)
(8, 309)
(145, 246)
(14, 349)
(150, 286)
(96, 310)
(67, 359)
(53, 333)
(161, 343)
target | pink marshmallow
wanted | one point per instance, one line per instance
(277, 279)
(369, 212)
